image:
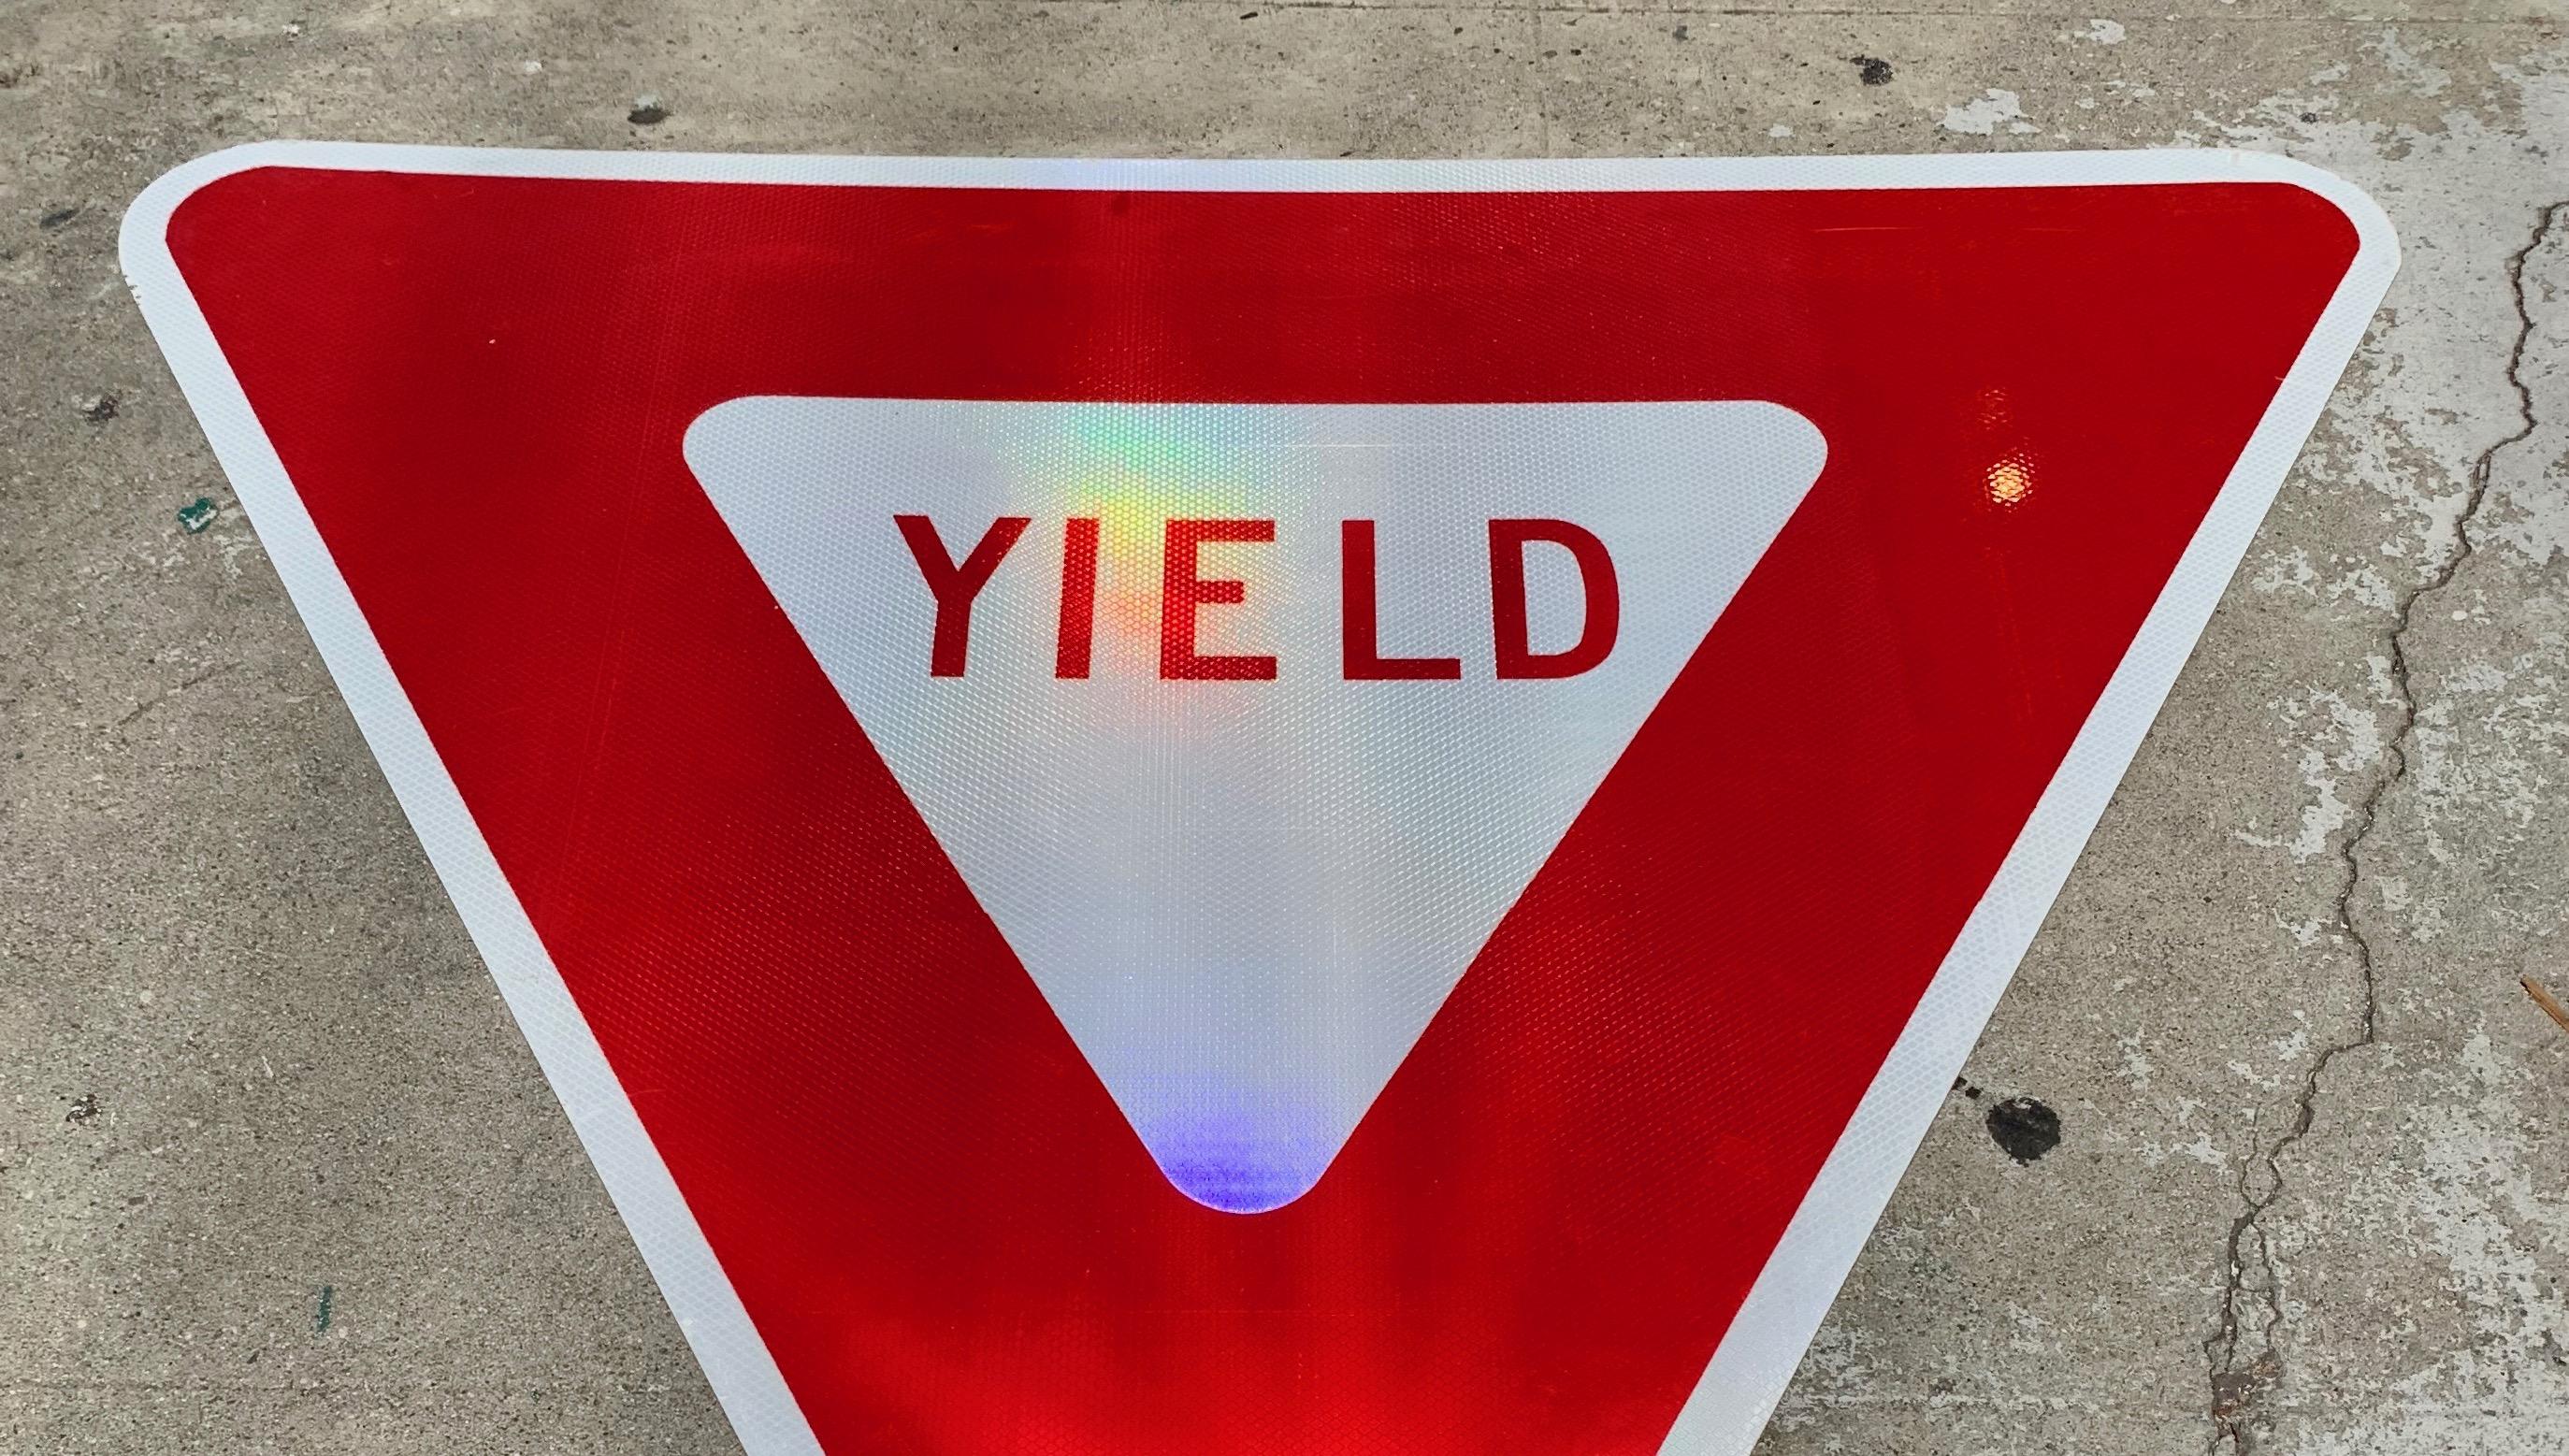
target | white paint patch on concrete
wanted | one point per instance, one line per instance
(2337, 738)
(2405, 64)
(2104, 31)
(2136, 1067)
(2305, 933)
(2367, 586)
(2423, 920)
(2249, 1074)
(1981, 116)
(2286, 570)
(2293, 570)
(2492, 737)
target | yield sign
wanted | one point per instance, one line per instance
(1268, 808)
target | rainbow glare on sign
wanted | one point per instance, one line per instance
(1134, 468)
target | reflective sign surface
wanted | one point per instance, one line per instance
(1253, 807)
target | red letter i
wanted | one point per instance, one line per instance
(1078, 631)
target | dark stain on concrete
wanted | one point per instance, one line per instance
(2023, 1128)
(1871, 70)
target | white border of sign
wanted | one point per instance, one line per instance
(1765, 1344)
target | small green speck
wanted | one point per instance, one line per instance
(321, 1317)
(196, 514)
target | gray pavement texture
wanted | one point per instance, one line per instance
(278, 1175)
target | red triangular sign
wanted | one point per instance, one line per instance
(1242, 807)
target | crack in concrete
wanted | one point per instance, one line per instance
(2236, 1390)
(167, 693)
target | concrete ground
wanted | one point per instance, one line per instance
(278, 1175)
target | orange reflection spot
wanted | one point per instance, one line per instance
(2010, 481)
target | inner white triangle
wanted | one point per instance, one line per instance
(1246, 899)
